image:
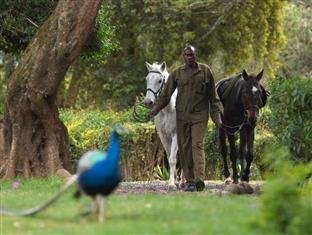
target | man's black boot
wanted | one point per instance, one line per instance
(200, 185)
(190, 187)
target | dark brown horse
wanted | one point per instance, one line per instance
(242, 97)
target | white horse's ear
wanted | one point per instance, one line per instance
(259, 76)
(245, 75)
(163, 66)
(148, 66)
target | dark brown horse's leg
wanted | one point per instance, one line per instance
(242, 151)
(233, 156)
(250, 134)
(223, 150)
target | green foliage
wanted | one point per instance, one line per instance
(91, 129)
(253, 37)
(290, 119)
(19, 21)
(286, 199)
(161, 173)
(214, 164)
(227, 35)
(297, 56)
(238, 31)
(276, 40)
(102, 41)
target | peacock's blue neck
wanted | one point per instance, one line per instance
(114, 149)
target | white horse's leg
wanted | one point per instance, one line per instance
(174, 150)
(167, 146)
(173, 161)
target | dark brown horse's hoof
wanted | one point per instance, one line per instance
(245, 178)
(200, 185)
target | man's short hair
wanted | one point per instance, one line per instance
(189, 47)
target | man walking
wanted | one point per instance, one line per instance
(196, 98)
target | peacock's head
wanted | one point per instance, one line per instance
(120, 130)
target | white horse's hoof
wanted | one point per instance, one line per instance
(228, 180)
(172, 188)
(181, 185)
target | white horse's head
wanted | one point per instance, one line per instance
(155, 81)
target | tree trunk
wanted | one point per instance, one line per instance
(34, 140)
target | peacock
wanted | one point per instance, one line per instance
(97, 176)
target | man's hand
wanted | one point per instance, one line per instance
(216, 118)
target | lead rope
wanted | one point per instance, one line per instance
(240, 126)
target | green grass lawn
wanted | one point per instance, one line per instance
(177, 213)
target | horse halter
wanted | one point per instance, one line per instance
(251, 110)
(247, 108)
(156, 93)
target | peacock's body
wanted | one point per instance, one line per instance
(98, 174)
(98, 171)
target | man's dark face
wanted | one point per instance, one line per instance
(189, 57)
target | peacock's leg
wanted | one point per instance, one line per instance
(101, 207)
(94, 205)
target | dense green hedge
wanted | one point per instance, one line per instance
(91, 129)
(290, 120)
(141, 154)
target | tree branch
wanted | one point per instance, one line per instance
(225, 12)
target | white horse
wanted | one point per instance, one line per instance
(165, 120)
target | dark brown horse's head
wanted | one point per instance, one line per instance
(252, 96)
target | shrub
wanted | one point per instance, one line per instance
(290, 119)
(286, 200)
(90, 129)
(214, 163)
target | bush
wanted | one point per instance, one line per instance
(290, 119)
(214, 163)
(90, 129)
(286, 201)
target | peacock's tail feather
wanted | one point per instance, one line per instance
(36, 209)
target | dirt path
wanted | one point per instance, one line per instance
(161, 187)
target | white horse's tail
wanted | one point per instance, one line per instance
(36, 209)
